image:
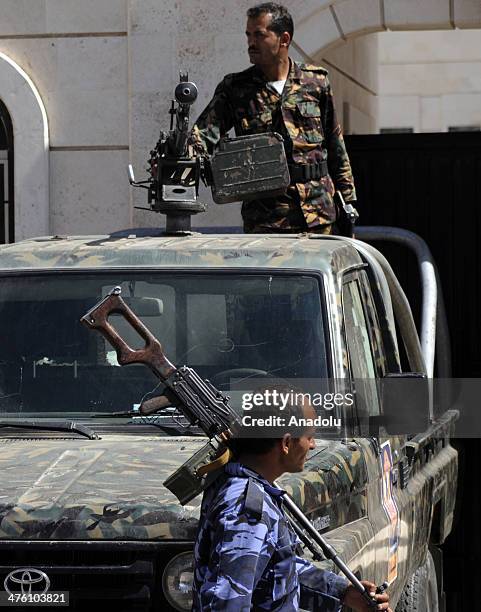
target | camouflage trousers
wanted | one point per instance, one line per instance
(283, 215)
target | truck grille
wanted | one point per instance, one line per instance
(94, 572)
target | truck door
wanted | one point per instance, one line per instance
(367, 365)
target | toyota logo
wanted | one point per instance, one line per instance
(22, 580)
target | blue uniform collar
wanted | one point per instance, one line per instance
(237, 469)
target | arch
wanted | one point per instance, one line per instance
(7, 210)
(337, 20)
(31, 157)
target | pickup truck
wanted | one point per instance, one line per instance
(83, 509)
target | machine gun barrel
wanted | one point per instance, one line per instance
(242, 168)
(185, 95)
(175, 173)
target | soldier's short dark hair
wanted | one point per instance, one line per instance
(261, 445)
(281, 18)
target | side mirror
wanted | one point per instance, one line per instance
(405, 403)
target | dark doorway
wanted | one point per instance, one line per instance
(7, 216)
(431, 184)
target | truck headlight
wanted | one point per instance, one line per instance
(177, 581)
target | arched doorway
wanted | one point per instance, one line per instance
(7, 217)
(327, 22)
(26, 122)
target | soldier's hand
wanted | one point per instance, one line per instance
(356, 601)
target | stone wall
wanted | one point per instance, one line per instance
(103, 72)
(208, 39)
(76, 53)
(353, 69)
(430, 81)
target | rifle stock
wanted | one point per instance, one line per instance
(151, 355)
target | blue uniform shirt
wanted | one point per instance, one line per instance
(246, 553)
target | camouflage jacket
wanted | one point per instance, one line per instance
(246, 553)
(305, 116)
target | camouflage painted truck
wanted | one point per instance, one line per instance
(81, 470)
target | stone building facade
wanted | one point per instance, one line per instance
(87, 86)
(430, 81)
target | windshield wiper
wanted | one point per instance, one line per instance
(172, 426)
(98, 415)
(176, 430)
(53, 426)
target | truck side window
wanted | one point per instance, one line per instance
(374, 328)
(361, 360)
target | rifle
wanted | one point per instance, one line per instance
(205, 406)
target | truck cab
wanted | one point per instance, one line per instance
(82, 470)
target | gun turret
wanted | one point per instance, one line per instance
(174, 174)
(243, 168)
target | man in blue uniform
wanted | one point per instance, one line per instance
(246, 552)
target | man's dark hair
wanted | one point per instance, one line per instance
(260, 445)
(253, 446)
(281, 18)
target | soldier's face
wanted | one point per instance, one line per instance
(263, 45)
(299, 447)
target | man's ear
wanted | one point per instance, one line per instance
(285, 39)
(286, 443)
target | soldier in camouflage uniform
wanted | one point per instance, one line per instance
(246, 553)
(301, 110)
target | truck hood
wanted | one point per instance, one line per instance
(69, 489)
(109, 489)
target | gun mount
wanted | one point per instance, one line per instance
(242, 168)
(175, 175)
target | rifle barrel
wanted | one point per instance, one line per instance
(327, 549)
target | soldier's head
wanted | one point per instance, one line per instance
(281, 444)
(269, 33)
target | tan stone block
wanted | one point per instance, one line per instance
(462, 109)
(89, 192)
(22, 16)
(432, 46)
(92, 63)
(399, 111)
(152, 16)
(431, 114)
(467, 14)
(68, 16)
(417, 14)
(38, 57)
(430, 79)
(359, 17)
(317, 33)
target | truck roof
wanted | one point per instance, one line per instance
(274, 251)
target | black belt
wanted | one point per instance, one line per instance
(301, 173)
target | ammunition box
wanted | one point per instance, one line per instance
(249, 167)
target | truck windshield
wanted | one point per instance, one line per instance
(225, 326)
